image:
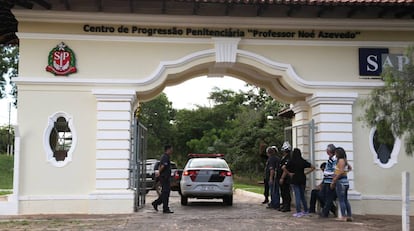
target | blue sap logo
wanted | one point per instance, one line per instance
(370, 61)
(373, 60)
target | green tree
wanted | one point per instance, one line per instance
(253, 131)
(157, 115)
(6, 138)
(190, 125)
(391, 107)
(238, 125)
(9, 58)
(202, 130)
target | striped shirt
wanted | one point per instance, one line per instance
(329, 172)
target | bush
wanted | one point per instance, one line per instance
(249, 180)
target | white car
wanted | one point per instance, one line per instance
(207, 178)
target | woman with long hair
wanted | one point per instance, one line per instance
(296, 170)
(341, 184)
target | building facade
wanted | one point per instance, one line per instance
(83, 74)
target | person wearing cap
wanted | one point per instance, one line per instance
(271, 165)
(328, 193)
(283, 178)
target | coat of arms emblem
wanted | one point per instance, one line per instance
(61, 60)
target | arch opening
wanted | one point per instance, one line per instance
(275, 83)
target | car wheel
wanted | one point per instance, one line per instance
(228, 200)
(184, 200)
(158, 188)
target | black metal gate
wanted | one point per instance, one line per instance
(137, 178)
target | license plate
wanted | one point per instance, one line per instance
(208, 188)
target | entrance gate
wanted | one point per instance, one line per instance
(303, 137)
(137, 176)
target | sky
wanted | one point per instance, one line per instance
(195, 91)
(183, 96)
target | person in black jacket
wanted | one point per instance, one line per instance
(271, 165)
(295, 168)
(284, 179)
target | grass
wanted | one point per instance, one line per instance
(6, 172)
(251, 188)
(250, 184)
(5, 192)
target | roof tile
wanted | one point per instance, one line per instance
(309, 2)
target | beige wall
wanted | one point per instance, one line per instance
(103, 60)
(124, 62)
(371, 179)
(331, 64)
(38, 176)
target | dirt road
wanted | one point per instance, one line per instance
(247, 213)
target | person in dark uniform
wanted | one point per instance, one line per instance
(164, 177)
(271, 165)
(266, 192)
(284, 179)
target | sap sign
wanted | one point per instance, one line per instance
(395, 61)
(373, 60)
(370, 61)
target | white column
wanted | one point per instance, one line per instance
(113, 138)
(332, 113)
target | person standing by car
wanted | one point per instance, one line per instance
(284, 179)
(271, 165)
(164, 177)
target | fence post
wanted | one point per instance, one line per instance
(405, 201)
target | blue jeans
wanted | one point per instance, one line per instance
(300, 197)
(342, 193)
(329, 196)
(274, 194)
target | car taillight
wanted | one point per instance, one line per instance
(225, 173)
(191, 173)
(176, 176)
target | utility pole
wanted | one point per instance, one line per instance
(9, 145)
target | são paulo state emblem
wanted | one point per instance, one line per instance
(61, 60)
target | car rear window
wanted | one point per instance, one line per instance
(173, 165)
(149, 167)
(207, 163)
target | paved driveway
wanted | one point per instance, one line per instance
(247, 213)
